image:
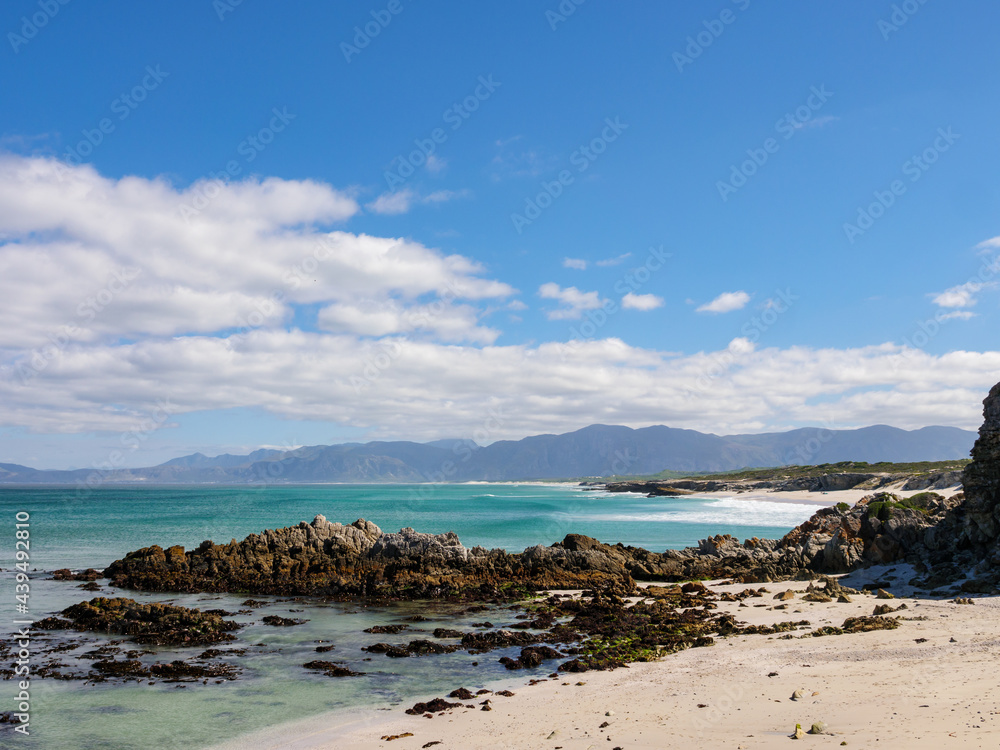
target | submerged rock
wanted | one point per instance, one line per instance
(159, 624)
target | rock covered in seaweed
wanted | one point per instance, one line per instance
(154, 623)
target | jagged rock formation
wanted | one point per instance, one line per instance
(360, 560)
(981, 479)
(330, 559)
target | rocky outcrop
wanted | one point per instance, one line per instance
(359, 560)
(941, 537)
(154, 623)
(981, 479)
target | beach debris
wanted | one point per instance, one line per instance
(819, 727)
(609, 713)
(772, 674)
(554, 734)
(486, 707)
(798, 695)
(883, 594)
(844, 599)
(604, 724)
(391, 737)
(960, 600)
(431, 744)
(462, 694)
(784, 596)
(798, 734)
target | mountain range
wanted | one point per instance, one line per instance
(594, 451)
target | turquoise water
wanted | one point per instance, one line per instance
(70, 530)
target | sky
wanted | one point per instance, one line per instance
(227, 225)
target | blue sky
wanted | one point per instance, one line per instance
(715, 168)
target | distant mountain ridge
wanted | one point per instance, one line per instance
(597, 450)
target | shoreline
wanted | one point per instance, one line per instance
(819, 499)
(888, 685)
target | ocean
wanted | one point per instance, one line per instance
(76, 530)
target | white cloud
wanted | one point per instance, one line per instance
(726, 302)
(986, 245)
(578, 263)
(958, 315)
(573, 301)
(963, 295)
(87, 259)
(401, 201)
(545, 388)
(614, 261)
(741, 345)
(632, 301)
(442, 320)
(435, 163)
(398, 202)
(153, 292)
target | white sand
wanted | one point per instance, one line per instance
(874, 690)
(819, 498)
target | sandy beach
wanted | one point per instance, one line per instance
(931, 683)
(819, 499)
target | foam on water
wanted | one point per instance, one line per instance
(725, 512)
